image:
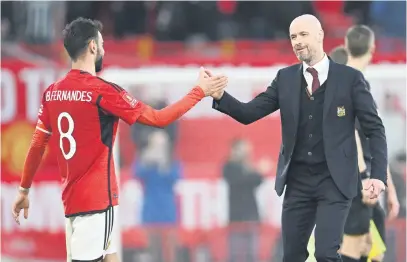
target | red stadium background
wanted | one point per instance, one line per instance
(203, 146)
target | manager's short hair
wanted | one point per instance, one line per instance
(78, 34)
(339, 55)
(359, 40)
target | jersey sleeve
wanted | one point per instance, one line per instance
(34, 156)
(43, 123)
(115, 100)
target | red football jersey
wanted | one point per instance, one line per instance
(83, 112)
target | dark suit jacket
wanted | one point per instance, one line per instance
(346, 89)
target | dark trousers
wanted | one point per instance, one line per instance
(311, 198)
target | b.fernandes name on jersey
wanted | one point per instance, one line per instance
(68, 95)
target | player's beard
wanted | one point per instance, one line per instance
(98, 63)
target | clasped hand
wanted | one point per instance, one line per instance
(212, 85)
(371, 190)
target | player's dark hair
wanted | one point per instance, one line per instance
(78, 34)
(339, 55)
(359, 40)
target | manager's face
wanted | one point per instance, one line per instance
(305, 41)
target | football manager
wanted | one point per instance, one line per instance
(318, 101)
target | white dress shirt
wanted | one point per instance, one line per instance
(322, 68)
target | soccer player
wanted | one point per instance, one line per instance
(356, 244)
(82, 112)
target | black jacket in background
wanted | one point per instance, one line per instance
(242, 188)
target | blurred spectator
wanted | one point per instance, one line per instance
(6, 19)
(130, 18)
(158, 172)
(140, 133)
(40, 21)
(280, 14)
(243, 180)
(398, 171)
(42, 17)
(390, 18)
(359, 10)
(77, 9)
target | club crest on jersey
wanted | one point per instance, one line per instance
(341, 111)
(129, 99)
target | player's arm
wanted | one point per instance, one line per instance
(116, 101)
(391, 189)
(361, 159)
(39, 142)
(167, 115)
(37, 148)
(393, 204)
(33, 159)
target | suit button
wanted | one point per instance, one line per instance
(310, 116)
(310, 135)
(310, 153)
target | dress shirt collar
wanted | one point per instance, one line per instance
(321, 67)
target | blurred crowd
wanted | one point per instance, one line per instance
(42, 21)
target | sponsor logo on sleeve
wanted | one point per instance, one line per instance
(129, 99)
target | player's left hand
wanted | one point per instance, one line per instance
(374, 187)
(393, 205)
(22, 202)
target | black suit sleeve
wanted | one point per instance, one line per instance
(372, 126)
(247, 113)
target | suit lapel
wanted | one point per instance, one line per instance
(330, 88)
(295, 91)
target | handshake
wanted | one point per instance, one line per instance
(212, 85)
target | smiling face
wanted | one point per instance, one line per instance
(306, 37)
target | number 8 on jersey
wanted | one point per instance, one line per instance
(67, 135)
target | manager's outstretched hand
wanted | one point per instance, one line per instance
(211, 84)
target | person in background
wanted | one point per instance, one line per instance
(393, 25)
(359, 42)
(359, 10)
(339, 55)
(243, 179)
(398, 171)
(158, 172)
(140, 133)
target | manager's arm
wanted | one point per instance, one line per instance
(247, 113)
(372, 126)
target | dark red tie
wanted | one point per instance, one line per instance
(315, 79)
